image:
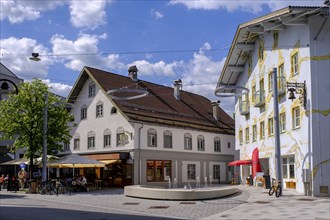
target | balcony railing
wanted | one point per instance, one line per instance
(244, 107)
(259, 98)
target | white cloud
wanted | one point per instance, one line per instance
(16, 52)
(80, 52)
(243, 5)
(19, 11)
(58, 88)
(84, 14)
(156, 14)
(160, 68)
(88, 14)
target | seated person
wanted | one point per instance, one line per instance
(82, 183)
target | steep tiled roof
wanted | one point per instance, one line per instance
(159, 106)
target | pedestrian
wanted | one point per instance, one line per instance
(22, 178)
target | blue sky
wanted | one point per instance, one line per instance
(166, 39)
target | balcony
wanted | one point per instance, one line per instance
(259, 98)
(244, 107)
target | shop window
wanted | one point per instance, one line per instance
(158, 170)
(288, 167)
(191, 171)
(216, 171)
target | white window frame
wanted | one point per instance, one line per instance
(296, 120)
(282, 122)
(152, 137)
(99, 110)
(168, 139)
(76, 143)
(240, 137)
(247, 135)
(187, 141)
(91, 90)
(83, 113)
(295, 64)
(91, 142)
(271, 126)
(254, 133)
(262, 130)
(200, 143)
(217, 144)
(288, 162)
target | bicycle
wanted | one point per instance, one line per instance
(59, 187)
(46, 187)
(276, 188)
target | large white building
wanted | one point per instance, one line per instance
(296, 41)
(167, 134)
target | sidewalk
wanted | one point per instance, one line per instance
(291, 205)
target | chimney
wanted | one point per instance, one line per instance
(132, 72)
(177, 84)
(215, 107)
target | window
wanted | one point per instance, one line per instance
(187, 141)
(296, 117)
(261, 50)
(91, 90)
(107, 138)
(240, 137)
(216, 171)
(91, 142)
(228, 145)
(254, 133)
(191, 171)
(122, 138)
(275, 37)
(270, 126)
(158, 170)
(295, 64)
(247, 135)
(167, 139)
(253, 93)
(113, 110)
(262, 87)
(76, 144)
(200, 143)
(262, 130)
(282, 122)
(152, 138)
(99, 110)
(288, 167)
(270, 81)
(217, 144)
(66, 147)
(281, 78)
(83, 112)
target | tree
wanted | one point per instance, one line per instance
(21, 120)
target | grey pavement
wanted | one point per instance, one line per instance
(250, 203)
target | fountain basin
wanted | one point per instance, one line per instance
(147, 192)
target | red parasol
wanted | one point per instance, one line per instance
(239, 162)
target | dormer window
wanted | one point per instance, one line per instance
(113, 110)
(91, 90)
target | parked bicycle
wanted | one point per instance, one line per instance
(276, 188)
(51, 187)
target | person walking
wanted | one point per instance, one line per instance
(22, 178)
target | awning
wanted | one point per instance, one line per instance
(17, 161)
(108, 162)
(239, 162)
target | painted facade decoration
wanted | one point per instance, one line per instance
(299, 49)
